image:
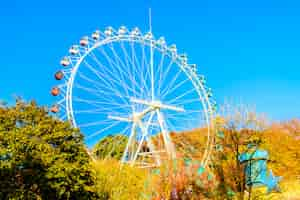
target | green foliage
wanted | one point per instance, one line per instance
(111, 146)
(41, 157)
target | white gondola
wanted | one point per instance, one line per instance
(202, 79)
(148, 36)
(135, 32)
(65, 61)
(173, 49)
(84, 41)
(161, 41)
(96, 35)
(193, 67)
(214, 105)
(108, 31)
(209, 92)
(74, 50)
(122, 30)
(183, 58)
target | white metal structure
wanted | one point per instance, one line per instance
(126, 82)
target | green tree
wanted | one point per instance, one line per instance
(41, 157)
(111, 146)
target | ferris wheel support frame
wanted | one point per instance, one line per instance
(153, 108)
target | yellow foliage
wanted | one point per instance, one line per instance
(284, 150)
(290, 190)
(119, 183)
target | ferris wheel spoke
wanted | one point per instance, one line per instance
(94, 123)
(134, 69)
(61, 105)
(101, 131)
(186, 113)
(186, 122)
(161, 79)
(100, 110)
(186, 125)
(109, 82)
(146, 66)
(117, 70)
(121, 69)
(171, 83)
(115, 67)
(62, 101)
(125, 54)
(99, 104)
(63, 89)
(182, 95)
(159, 70)
(113, 89)
(99, 94)
(63, 117)
(175, 87)
(129, 65)
(103, 76)
(172, 127)
(144, 87)
(95, 84)
(95, 92)
(187, 102)
(143, 72)
(119, 60)
(114, 74)
(99, 75)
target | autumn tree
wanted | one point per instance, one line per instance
(41, 157)
(236, 128)
(284, 161)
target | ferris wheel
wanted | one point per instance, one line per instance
(121, 81)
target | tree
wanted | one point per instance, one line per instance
(236, 128)
(111, 146)
(41, 157)
(285, 160)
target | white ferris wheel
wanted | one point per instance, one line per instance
(126, 82)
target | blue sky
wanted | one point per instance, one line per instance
(248, 50)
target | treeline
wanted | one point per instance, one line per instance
(44, 158)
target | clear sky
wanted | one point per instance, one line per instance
(248, 50)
